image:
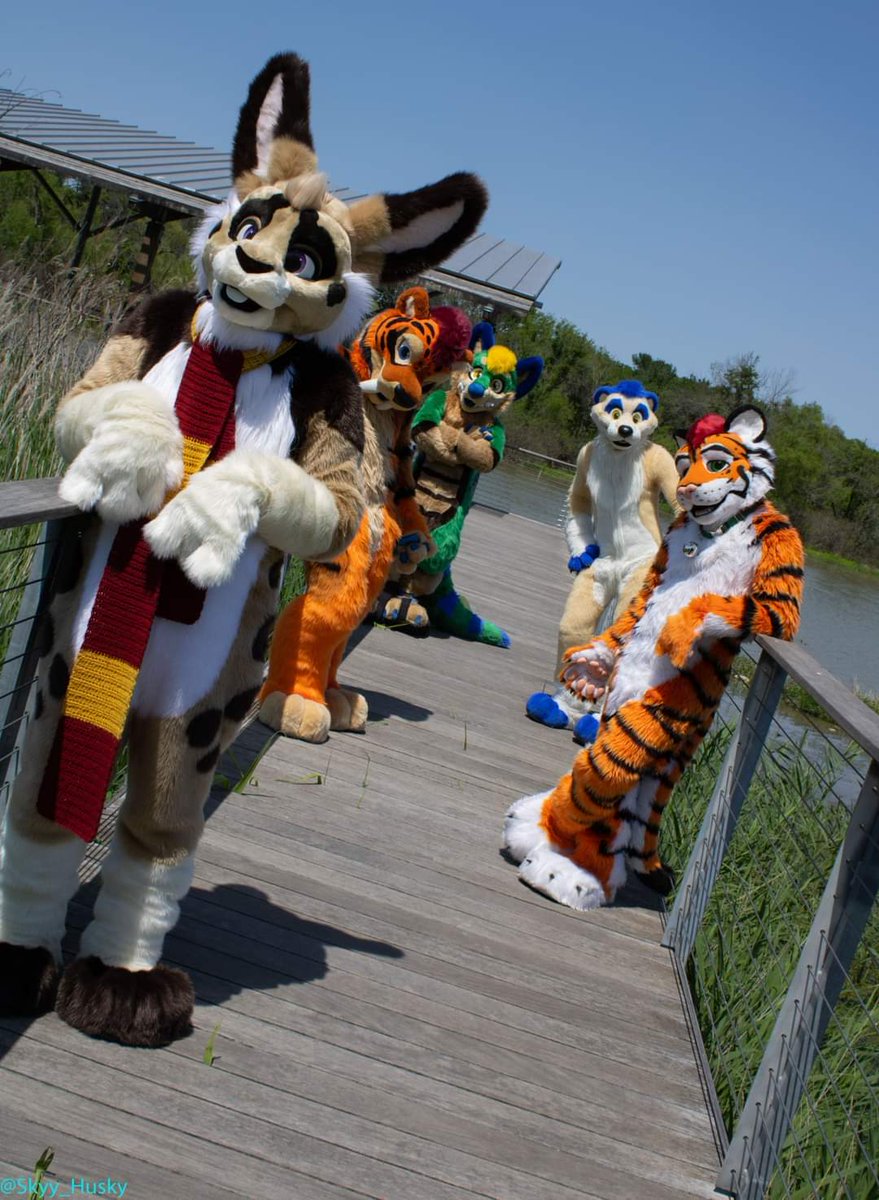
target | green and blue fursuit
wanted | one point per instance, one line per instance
(458, 437)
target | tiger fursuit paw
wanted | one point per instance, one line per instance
(296, 716)
(544, 867)
(348, 710)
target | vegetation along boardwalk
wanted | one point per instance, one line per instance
(384, 1010)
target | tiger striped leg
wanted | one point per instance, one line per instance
(545, 867)
(653, 797)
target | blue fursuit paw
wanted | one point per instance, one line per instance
(586, 729)
(544, 708)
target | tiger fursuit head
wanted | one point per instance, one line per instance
(398, 352)
(459, 436)
(213, 435)
(729, 568)
(612, 530)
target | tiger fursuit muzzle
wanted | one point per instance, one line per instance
(729, 568)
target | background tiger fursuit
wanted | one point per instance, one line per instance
(730, 567)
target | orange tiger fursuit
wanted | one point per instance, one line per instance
(730, 567)
(398, 351)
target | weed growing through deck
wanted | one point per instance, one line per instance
(364, 782)
(761, 909)
(313, 777)
(41, 1167)
(208, 1058)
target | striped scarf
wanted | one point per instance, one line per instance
(136, 587)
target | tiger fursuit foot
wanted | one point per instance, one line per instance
(546, 867)
(296, 716)
(348, 710)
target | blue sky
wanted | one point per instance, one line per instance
(707, 172)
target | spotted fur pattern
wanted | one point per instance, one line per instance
(287, 270)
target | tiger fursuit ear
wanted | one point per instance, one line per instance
(397, 236)
(414, 302)
(273, 139)
(748, 423)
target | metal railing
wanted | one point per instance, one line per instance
(32, 525)
(768, 927)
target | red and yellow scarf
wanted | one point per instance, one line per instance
(136, 587)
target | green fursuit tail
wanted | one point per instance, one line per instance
(449, 612)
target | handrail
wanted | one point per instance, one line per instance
(847, 710)
(26, 501)
(764, 1121)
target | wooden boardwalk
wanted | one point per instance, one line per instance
(396, 1016)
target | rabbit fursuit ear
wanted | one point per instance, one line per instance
(398, 236)
(273, 139)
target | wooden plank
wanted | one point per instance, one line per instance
(493, 1143)
(86, 1157)
(291, 1131)
(230, 982)
(26, 501)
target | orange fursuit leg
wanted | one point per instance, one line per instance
(349, 710)
(310, 637)
(588, 841)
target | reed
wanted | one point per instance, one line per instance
(787, 838)
(52, 324)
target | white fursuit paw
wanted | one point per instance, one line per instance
(126, 450)
(557, 876)
(205, 527)
(522, 830)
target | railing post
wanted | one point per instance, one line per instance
(724, 807)
(19, 667)
(827, 954)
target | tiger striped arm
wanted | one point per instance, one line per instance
(772, 606)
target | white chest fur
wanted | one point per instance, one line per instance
(616, 485)
(722, 566)
(263, 420)
(182, 662)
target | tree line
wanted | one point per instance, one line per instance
(827, 482)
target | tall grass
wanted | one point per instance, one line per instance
(761, 910)
(52, 324)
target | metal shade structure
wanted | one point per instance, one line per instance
(169, 179)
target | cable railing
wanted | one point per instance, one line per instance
(773, 927)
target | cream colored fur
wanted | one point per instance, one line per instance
(124, 447)
(206, 525)
(138, 903)
(38, 880)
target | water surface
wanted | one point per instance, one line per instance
(840, 620)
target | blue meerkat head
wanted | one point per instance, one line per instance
(625, 414)
(496, 377)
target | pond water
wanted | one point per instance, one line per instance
(840, 620)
